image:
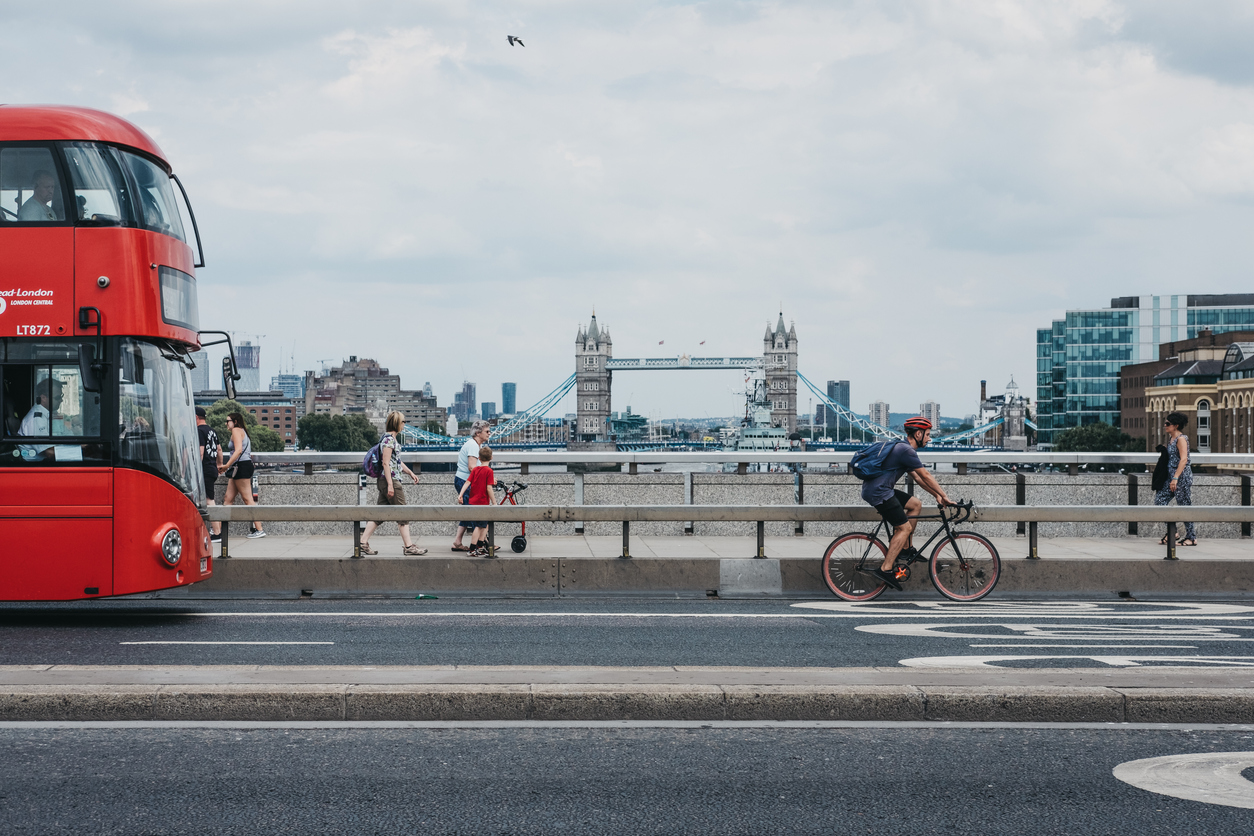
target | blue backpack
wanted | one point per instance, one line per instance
(373, 462)
(868, 462)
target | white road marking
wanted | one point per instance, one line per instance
(1018, 609)
(367, 725)
(1065, 632)
(1082, 646)
(267, 643)
(1112, 660)
(1210, 777)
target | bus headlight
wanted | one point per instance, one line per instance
(172, 546)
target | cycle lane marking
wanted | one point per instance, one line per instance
(1022, 609)
(1111, 660)
(1066, 632)
(1209, 777)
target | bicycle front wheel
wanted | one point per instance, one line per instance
(965, 568)
(844, 561)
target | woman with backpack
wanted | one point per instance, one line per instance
(388, 482)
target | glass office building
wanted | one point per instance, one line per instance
(1078, 358)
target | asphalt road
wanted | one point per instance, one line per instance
(637, 781)
(626, 632)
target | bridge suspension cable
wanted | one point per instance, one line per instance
(413, 435)
(852, 417)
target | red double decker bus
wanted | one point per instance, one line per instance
(101, 491)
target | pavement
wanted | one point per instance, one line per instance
(312, 547)
(819, 660)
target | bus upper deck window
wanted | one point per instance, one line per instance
(157, 209)
(99, 187)
(30, 188)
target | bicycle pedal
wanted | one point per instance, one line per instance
(902, 573)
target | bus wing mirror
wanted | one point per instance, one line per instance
(87, 368)
(228, 378)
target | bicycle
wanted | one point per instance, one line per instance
(965, 572)
(519, 543)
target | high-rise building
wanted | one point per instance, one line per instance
(488, 410)
(931, 411)
(248, 361)
(878, 413)
(201, 378)
(466, 402)
(427, 390)
(509, 392)
(838, 392)
(1078, 358)
(291, 385)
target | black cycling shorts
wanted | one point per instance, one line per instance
(893, 509)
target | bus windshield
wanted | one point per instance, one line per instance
(157, 416)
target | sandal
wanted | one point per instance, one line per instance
(1192, 541)
(414, 551)
(461, 548)
(365, 548)
(1163, 541)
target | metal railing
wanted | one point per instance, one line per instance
(760, 514)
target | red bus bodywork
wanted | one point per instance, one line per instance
(71, 532)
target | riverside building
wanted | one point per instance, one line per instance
(1079, 358)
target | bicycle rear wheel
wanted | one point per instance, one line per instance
(965, 568)
(842, 564)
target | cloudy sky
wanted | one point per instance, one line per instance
(919, 184)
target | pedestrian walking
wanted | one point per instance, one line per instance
(239, 468)
(478, 490)
(1180, 473)
(210, 460)
(467, 460)
(391, 492)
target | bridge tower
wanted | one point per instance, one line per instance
(779, 355)
(593, 348)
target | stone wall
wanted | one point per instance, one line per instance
(326, 488)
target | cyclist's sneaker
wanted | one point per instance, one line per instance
(886, 577)
(912, 555)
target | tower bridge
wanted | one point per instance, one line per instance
(592, 382)
(595, 365)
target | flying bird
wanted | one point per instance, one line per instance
(702, 342)
(659, 342)
(515, 40)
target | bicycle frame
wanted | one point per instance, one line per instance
(960, 516)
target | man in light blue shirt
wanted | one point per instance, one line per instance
(467, 458)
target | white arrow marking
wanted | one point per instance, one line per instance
(1210, 777)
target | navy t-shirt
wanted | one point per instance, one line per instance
(899, 461)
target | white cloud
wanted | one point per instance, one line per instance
(920, 184)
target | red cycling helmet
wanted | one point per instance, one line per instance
(918, 422)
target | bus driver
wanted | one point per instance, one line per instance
(38, 420)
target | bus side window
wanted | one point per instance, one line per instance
(30, 190)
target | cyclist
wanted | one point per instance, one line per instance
(899, 509)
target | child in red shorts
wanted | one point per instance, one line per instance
(480, 484)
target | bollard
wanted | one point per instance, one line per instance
(761, 540)
(626, 540)
(525, 469)
(226, 533)
(1033, 554)
(1245, 500)
(631, 468)
(1021, 497)
(1171, 542)
(1073, 469)
(962, 468)
(491, 539)
(1132, 500)
(742, 468)
(309, 468)
(357, 539)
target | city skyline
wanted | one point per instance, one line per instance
(920, 191)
